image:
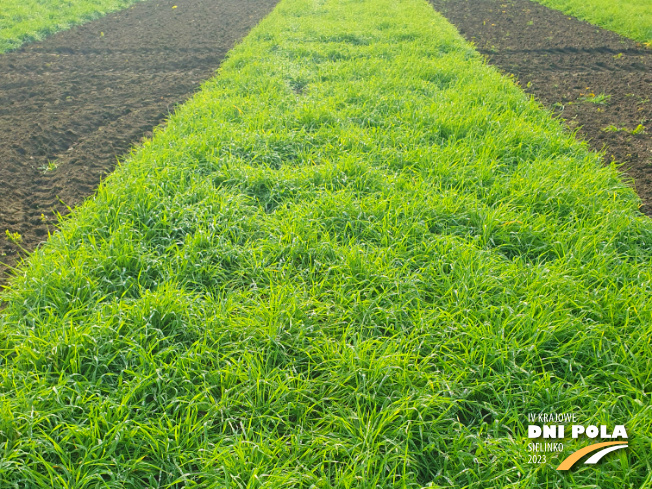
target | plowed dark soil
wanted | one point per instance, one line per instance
(70, 105)
(562, 61)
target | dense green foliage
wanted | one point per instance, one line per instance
(357, 258)
(630, 18)
(29, 20)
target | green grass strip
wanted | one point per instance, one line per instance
(629, 18)
(356, 259)
(30, 20)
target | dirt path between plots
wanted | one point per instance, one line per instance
(563, 61)
(80, 98)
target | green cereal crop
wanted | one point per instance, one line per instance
(358, 258)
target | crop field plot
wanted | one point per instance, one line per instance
(29, 20)
(69, 106)
(597, 81)
(359, 257)
(631, 18)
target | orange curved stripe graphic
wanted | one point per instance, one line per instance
(575, 456)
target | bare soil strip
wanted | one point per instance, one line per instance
(70, 105)
(562, 61)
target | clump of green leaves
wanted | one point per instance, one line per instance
(599, 99)
(51, 166)
(613, 128)
(640, 129)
